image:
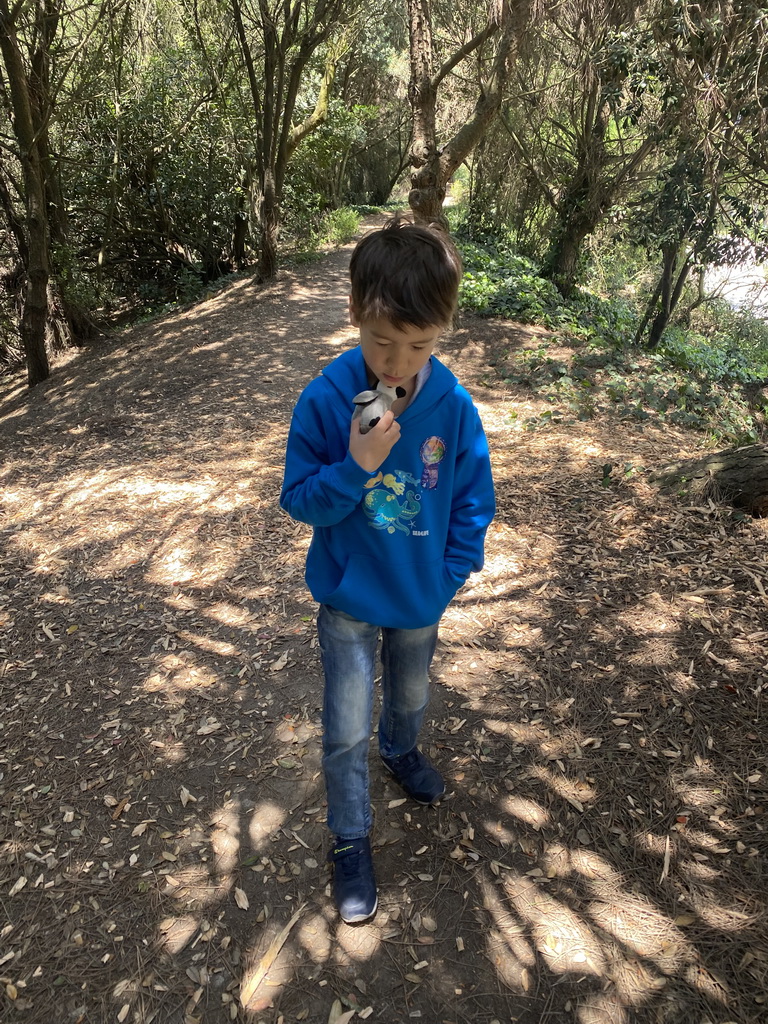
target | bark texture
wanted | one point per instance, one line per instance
(433, 165)
(27, 127)
(737, 475)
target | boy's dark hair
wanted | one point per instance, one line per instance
(407, 274)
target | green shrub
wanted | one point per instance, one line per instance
(499, 282)
(739, 330)
(339, 226)
(691, 380)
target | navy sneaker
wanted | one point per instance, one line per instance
(354, 886)
(419, 779)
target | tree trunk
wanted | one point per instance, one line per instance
(562, 264)
(736, 475)
(288, 44)
(670, 296)
(35, 314)
(427, 195)
(584, 202)
(433, 166)
(269, 222)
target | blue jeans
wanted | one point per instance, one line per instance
(348, 650)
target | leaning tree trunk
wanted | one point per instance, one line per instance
(434, 165)
(35, 315)
(736, 475)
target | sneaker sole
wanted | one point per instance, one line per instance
(444, 797)
(359, 918)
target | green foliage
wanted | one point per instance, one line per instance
(316, 175)
(161, 207)
(650, 390)
(714, 358)
(735, 329)
(335, 227)
(499, 282)
(339, 226)
(692, 380)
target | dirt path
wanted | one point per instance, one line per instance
(598, 709)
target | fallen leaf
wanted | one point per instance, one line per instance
(209, 727)
(120, 808)
(18, 885)
(249, 989)
(279, 665)
(339, 1016)
(241, 899)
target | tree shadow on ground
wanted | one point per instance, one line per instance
(596, 712)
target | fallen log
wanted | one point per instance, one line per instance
(736, 475)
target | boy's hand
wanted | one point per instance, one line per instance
(371, 449)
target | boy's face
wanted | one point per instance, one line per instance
(395, 355)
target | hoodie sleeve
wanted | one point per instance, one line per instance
(321, 486)
(473, 503)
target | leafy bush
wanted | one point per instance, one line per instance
(715, 357)
(499, 282)
(740, 330)
(339, 226)
(691, 380)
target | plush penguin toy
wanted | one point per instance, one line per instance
(370, 406)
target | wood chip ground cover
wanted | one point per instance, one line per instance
(598, 710)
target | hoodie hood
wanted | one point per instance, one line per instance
(349, 375)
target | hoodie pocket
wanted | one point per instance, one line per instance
(407, 596)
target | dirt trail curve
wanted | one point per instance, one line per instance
(596, 710)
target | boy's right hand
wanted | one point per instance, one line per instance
(370, 450)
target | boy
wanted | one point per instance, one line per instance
(399, 515)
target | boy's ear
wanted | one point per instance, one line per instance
(352, 314)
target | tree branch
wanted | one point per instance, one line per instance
(465, 50)
(318, 115)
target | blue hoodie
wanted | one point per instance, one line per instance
(393, 547)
